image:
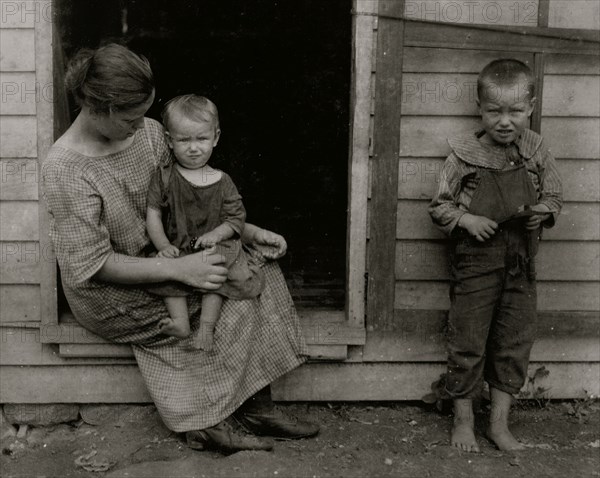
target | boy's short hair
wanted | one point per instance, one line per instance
(505, 72)
(194, 107)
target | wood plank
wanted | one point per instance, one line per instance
(45, 42)
(19, 220)
(439, 94)
(22, 346)
(572, 137)
(319, 327)
(560, 261)
(20, 303)
(568, 14)
(426, 136)
(20, 93)
(73, 384)
(386, 140)
(18, 179)
(360, 107)
(573, 223)
(557, 296)
(386, 347)
(18, 50)
(24, 13)
(485, 37)
(563, 64)
(411, 381)
(571, 95)
(318, 382)
(20, 262)
(418, 178)
(543, 12)
(483, 12)
(535, 123)
(18, 137)
(447, 60)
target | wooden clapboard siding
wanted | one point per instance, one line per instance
(20, 262)
(445, 60)
(18, 52)
(572, 137)
(483, 12)
(563, 64)
(24, 13)
(574, 14)
(418, 178)
(552, 295)
(20, 303)
(426, 135)
(571, 95)
(18, 137)
(577, 222)
(20, 92)
(18, 179)
(322, 382)
(557, 260)
(411, 381)
(19, 220)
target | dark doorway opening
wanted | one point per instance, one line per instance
(280, 72)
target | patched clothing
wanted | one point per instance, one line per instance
(492, 317)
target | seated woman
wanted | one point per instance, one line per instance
(95, 181)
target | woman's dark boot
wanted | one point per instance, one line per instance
(226, 437)
(259, 415)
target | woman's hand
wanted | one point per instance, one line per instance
(480, 227)
(271, 244)
(202, 270)
(534, 222)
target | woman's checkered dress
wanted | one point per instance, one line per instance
(98, 206)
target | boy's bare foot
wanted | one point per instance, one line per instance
(169, 327)
(463, 437)
(499, 433)
(463, 434)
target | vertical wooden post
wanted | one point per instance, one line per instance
(45, 138)
(538, 71)
(543, 13)
(386, 149)
(358, 174)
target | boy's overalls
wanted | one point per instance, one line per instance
(492, 318)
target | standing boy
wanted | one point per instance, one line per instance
(497, 189)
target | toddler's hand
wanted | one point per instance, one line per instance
(480, 227)
(534, 222)
(206, 241)
(276, 245)
(170, 251)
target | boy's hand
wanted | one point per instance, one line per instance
(276, 246)
(170, 251)
(480, 227)
(534, 222)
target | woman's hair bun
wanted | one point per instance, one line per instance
(110, 78)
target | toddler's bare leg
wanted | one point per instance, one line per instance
(463, 429)
(211, 309)
(178, 322)
(498, 430)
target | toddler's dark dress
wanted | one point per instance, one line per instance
(188, 211)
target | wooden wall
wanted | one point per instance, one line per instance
(433, 89)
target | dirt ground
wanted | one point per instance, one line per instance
(356, 440)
